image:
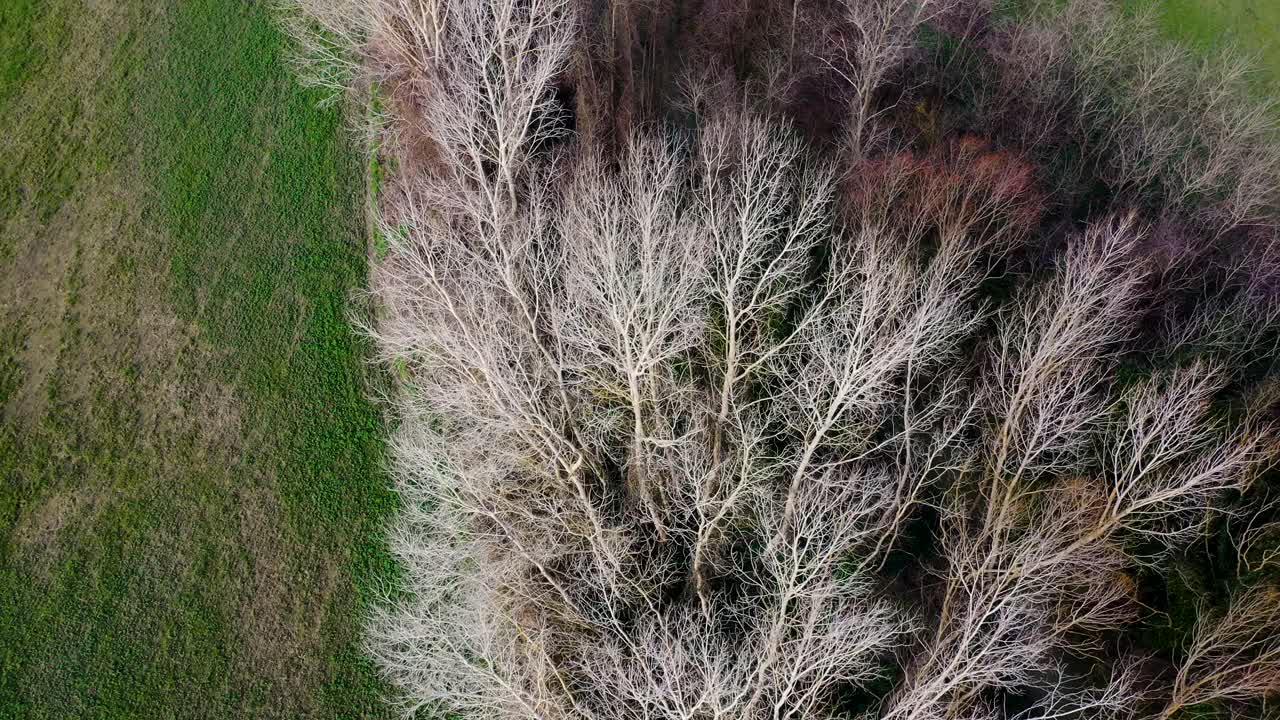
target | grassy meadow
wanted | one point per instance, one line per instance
(1249, 26)
(191, 494)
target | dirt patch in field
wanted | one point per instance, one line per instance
(105, 357)
(280, 627)
(52, 128)
(33, 291)
(36, 534)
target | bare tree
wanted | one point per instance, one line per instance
(707, 423)
(1232, 657)
(877, 40)
(1150, 118)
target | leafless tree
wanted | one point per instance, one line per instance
(678, 412)
(1232, 657)
(876, 40)
(1152, 118)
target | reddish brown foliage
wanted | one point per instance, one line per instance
(960, 186)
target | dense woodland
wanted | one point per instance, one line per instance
(911, 359)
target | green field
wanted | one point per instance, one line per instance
(191, 493)
(191, 498)
(1248, 26)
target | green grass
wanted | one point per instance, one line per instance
(191, 495)
(1249, 26)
